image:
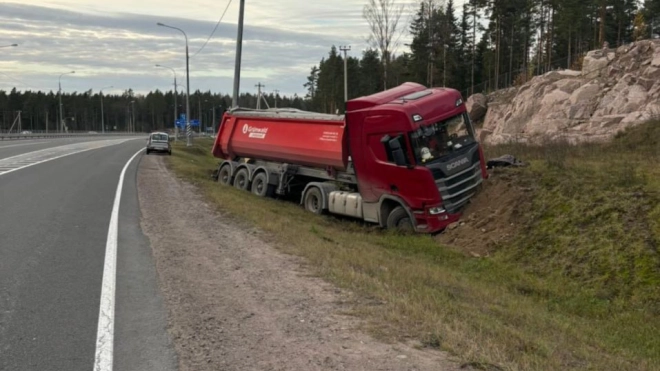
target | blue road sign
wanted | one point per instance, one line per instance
(182, 123)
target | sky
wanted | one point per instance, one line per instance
(117, 43)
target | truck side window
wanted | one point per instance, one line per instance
(388, 152)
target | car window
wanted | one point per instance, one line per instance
(159, 138)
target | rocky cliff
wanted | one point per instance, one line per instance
(616, 89)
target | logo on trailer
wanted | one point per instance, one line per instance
(255, 132)
(458, 163)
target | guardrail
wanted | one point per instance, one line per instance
(6, 136)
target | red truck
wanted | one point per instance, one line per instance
(404, 158)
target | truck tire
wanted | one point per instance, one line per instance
(260, 186)
(314, 201)
(242, 179)
(224, 175)
(399, 219)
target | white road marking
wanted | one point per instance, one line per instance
(106, 329)
(18, 162)
(22, 144)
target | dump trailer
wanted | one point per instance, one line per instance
(404, 158)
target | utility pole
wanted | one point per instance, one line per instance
(199, 109)
(59, 93)
(259, 86)
(276, 92)
(345, 49)
(239, 45)
(176, 106)
(102, 118)
(444, 65)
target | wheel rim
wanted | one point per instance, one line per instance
(313, 203)
(260, 186)
(404, 224)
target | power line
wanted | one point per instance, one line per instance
(18, 81)
(216, 27)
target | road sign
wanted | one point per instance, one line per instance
(182, 123)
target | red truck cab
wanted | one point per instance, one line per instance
(417, 147)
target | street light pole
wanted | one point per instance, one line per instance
(239, 47)
(345, 49)
(129, 115)
(188, 131)
(102, 118)
(59, 93)
(176, 92)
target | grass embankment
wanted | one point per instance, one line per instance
(577, 288)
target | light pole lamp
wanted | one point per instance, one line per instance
(188, 131)
(176, 92)
(8, 46)
(59, 93)
(102, 117)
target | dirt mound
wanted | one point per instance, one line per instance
(492, 217)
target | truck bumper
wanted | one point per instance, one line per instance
(435, 223)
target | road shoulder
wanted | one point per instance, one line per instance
(235, 302)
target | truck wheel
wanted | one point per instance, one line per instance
(242, 179)
(399, 219)
(314, 201)
(224, 175)
(260, 186)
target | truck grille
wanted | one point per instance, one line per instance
(458, 188)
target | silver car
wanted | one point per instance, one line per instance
(159, 142)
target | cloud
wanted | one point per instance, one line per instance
(109, 46)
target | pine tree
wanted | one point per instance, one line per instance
(639, 27)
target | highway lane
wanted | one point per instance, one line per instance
(54, 219)
(17, 147)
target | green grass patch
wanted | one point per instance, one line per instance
(576, 289)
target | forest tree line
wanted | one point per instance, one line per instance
(485, 45)
(154, 111)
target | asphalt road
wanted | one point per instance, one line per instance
(54, 219)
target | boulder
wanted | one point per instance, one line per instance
(613, 91)
(477, 105)
(594, 64)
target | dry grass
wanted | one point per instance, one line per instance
(577, 290)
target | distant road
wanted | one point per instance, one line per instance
(54, 222)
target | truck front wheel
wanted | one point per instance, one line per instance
(399, 219)
(314, 201)
(242, 179)
(260, 186)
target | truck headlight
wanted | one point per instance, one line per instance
(436, 210)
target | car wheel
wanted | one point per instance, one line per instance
(242, 180)
(147, 151)
(399, 219)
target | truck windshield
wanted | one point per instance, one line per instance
(432, 142)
